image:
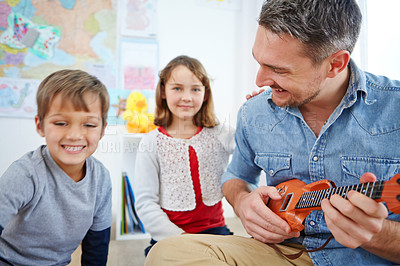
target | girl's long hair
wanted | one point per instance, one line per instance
(205, 117)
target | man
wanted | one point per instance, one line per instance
(321, 118)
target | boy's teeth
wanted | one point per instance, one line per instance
(73, 148)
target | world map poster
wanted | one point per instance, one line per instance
(17, 97)
(39, 37)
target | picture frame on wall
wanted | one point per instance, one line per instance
(137, 18)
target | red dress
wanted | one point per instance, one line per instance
(202, 217)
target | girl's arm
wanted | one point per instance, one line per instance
(95, 247)
(146, 190)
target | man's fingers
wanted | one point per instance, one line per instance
(367, 205)
(367, 177)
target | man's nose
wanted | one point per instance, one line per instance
(264, 78)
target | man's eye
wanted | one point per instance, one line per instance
(279, 72)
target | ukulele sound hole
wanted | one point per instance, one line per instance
(286, 202)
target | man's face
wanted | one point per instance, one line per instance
(293, 78)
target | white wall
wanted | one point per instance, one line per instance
(383, 37)
(222, 40)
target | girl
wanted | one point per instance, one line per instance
(180, 164)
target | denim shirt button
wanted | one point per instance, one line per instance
(271, 172)
(315, 158)
(312, 223)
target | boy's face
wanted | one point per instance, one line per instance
(71, 135)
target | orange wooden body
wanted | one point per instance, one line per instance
(293, 189)
(285, 208)
(391, 194)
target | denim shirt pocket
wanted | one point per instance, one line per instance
(354, 167)
(275, 164)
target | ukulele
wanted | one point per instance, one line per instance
(299, 200)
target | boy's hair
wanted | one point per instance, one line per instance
(324, 27)
(72, 85)
(205, 117)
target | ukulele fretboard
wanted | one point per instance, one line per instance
(313, 198)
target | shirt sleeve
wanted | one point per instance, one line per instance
(146, 189)
(103, 212)
(95, 247)
(17, 188)
(242, 165)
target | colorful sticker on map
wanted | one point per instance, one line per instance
(22, 33)
(18, 97)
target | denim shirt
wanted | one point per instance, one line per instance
(361, 135)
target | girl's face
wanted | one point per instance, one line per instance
(184, 94)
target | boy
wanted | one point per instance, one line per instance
(58, 196)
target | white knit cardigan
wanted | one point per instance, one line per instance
(163, 178)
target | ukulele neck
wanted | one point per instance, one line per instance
(312, 199)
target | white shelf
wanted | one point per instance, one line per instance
(129, 146)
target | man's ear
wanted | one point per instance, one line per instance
(338, 62)
(39, 128)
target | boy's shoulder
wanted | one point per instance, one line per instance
(29, 161)
(98, 172)
(24, 173)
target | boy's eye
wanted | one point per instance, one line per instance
(90, 125)
(60, 123)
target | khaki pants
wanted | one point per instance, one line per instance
(220, 250)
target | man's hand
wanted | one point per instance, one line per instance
(354, 222)
(258, 220)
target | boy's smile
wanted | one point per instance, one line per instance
(72, 135)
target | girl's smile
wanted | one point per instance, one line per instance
(184, 94)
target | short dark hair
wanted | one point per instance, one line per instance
(71, 84)
(323, 26)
